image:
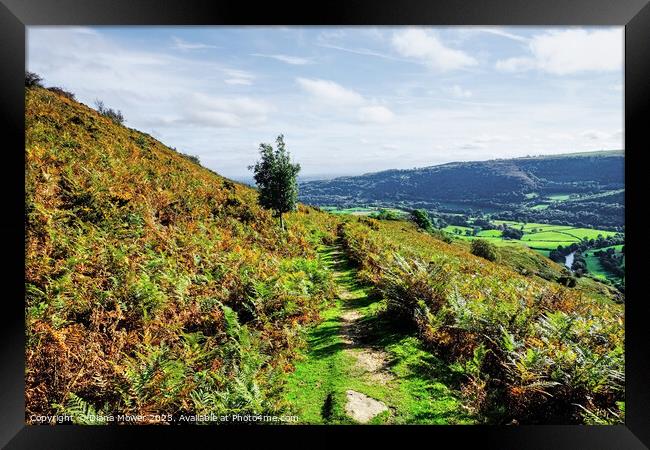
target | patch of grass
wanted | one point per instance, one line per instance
(489, 233)
(425, 389)
(457, 230)
(594, 267)
(362, 210)
(420, 389)
(588, 233)
(558, 197)
(315, 390)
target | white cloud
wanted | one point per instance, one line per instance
(330, 35)
(293, 60)
(375, 114)
(490, 138)
(225, 111)
(195, 103)
(459, 92)
(570, 51)
(516, 64)
(471, 146)
(364, 52)
(594, 135)
(598, 135)
(238, 77)
(180, 44)
(239, 81)
(330, 92)
(500, 32)
(428, 49)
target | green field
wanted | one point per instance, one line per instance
(540, 203)
(594, 267)
(558, 197)
(595, 196)
(454, 228)
(360, 210)
(593, 263)
(588, 233)
(616, 248)
(550, 236)
(490, 233)
(529, 226)
(538, 236)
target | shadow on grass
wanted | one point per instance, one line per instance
(431, 384)
(382, 331)
(324, 340)
(360, 302)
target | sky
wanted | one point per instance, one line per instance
(348, 100)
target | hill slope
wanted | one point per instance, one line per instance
(153, 283)
(529, 350)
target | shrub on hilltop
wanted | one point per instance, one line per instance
(62, 92)
(484, 249)
(33, 80)
(422, 219)
(115, 115)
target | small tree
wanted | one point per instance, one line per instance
(422, 219)
(482, 248)
(115, 115)
(385, 214)
(62, 92)
(512, 233)
(32, 79)
(195, 159)
(275, 177)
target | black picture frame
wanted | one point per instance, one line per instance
(15, 15)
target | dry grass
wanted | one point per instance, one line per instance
(530, 349)
(134, 255)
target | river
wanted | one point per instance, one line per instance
(568, 261)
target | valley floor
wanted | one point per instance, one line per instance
(359, 368)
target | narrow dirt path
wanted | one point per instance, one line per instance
(370, 361)
(359, 369)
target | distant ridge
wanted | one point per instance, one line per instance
(494, 185)
(596, 153)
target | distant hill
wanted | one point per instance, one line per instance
(495, 185)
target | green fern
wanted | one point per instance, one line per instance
(82, 412)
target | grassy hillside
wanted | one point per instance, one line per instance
(530, 350)
(154, 285)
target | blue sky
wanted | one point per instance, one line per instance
(349, 100)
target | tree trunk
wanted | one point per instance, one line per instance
(281, 222)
